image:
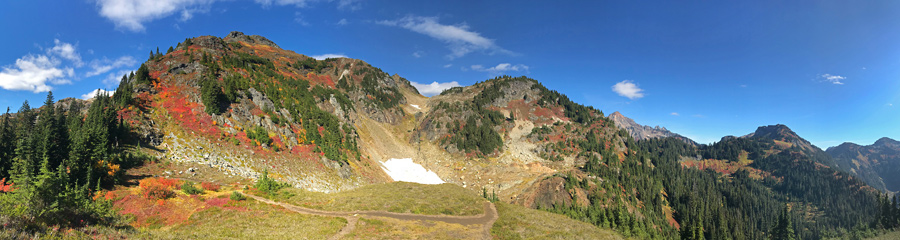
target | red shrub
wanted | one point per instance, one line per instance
(210, 186)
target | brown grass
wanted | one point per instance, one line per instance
(517, 222)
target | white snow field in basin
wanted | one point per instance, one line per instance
(415, 106)
(404, 169)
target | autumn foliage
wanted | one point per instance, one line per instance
(4, 187)
(208, 186)
(158, 188)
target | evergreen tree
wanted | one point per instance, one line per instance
(7, 145)
(52, 142)
(784, 229)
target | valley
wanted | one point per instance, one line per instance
(283, 145)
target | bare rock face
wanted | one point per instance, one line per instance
(641, 132)
(236, 36)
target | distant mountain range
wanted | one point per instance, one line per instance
(877, 164)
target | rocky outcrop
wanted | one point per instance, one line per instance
(641, 132)
(236, 36)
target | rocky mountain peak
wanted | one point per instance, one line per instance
(236, 36)
(640, 132)
(776, 132)
(887, 142)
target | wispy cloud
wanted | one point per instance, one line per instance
(298, 18)
(834, 79)
(460, 40)
(448, 65)
(113, 79)
(297, 3)
(433, 88)
(343, 22)
(628, 89)
(418, 54)
(351, 5)
(674, 114)
(101, 66)
(96, 92)
(328, 55)
(501, 68)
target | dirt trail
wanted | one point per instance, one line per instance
(486, 219)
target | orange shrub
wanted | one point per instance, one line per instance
(158, 188)
(4, 187)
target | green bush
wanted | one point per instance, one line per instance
(268, 185)
(236, 196)
(189, 188)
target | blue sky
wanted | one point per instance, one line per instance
(830, 70)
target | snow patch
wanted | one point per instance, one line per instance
(405, 170)
(415, 106)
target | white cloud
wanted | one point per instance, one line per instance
(501, 68)
(297, 3)
(674, 114)
(33, 72)
(434, 88)
(351, 5)
(96, 92)
(418, 54)
(628, 89)
(298, 18)
(834, 79)
(329, 55)
(104, 65)
(65, 51)
(460, 40)
(343, 22)
(113, 79)
(132, 14)
(448, 65)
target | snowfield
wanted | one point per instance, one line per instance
(404, 169)
(415, 106)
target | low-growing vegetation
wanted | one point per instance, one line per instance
(401, 197)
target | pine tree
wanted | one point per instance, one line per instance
(784, 229)
(7, 146)
(52, 142)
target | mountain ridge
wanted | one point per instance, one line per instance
(877, 163)
(641, 132)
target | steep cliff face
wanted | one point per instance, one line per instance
(877, 164)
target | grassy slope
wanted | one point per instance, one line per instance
(258, 221)
(401, 197)
(517, 222)
(388, 228)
